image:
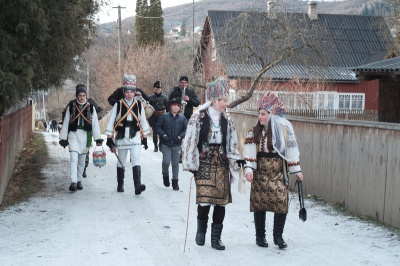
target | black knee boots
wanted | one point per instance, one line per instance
(139, 188)
(155, 147)
(201, 231)
(120, 179)
(259, 222)
(175, 185)
(279, 225)
(216, 230)
(166, 179)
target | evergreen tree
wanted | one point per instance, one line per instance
(156, 31)
(149, 23)
(39, 40)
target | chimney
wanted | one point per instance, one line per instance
(270, 9)
(312, 10)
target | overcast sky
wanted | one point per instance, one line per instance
(111, 14)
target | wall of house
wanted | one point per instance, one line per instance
(352, 163)
(389, 100)
(370, 88)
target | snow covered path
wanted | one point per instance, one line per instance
(99, 226)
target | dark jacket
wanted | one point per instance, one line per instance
(173, 126)
(158, 101)
(118, 94)
(193, 100)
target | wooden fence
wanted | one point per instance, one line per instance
(15, 130)
(354, 163)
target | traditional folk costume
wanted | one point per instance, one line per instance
(128, 125)
(79, 126)
(271, 159)
(159, 102)
(210, 151)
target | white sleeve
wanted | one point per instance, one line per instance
(190, 152)
(95, 126)
(64, 129)
(111, 121)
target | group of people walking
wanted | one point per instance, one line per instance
(207, 140)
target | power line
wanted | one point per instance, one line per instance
(169, 15)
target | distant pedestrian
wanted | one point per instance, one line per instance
(159, 101)
(171, 128)
(271, 151)
(79, 126)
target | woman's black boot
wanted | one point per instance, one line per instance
(201, 231)
(216, 230)
(259, 222)
(279, 225)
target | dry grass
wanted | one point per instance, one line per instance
(27, 178)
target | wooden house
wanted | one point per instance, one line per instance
(347, 41)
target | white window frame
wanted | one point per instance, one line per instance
(353, 99)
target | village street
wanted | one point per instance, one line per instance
(99, 226)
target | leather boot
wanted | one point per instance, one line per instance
(166, 180)
(155, 147)
(175, 185)
(120, 179)
(84, 175)
(216, 230)
(201, 231)
(279, 225)
(259, 222)
(139, 188)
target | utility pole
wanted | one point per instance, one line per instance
(87, 80)
(119, 44)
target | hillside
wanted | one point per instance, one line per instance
(174, 16)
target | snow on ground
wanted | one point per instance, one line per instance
(99, 226)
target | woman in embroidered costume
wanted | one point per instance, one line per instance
(79, 125)
(271, 151)
(210, 152)
(128, 125)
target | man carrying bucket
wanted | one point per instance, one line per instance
(79, 126)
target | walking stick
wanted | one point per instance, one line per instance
(123, 166)
(187, 219)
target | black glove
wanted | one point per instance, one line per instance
(193, 172)
(241, 163)
(178, 140)
(110, 143)
(63, 142)
(144, 143)
(99, 141)
(165, 138)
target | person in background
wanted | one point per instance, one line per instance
(159, 101)
(190, 97)
(270, 152)
(210, 152)
(79, 126)
(171, 128)
(128, 125)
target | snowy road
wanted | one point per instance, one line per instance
(99, 226)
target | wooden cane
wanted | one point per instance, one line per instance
(187, 218)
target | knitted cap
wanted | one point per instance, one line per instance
(217, 89)
(81, 88)
(129, 81)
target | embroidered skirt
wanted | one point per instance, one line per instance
(269, 191)
(212, 179)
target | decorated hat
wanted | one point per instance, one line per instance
(184, 78)
(157, 84)
(272, 104)
(217, 89)
(81, 88)
(174, 101)
(129, 81)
